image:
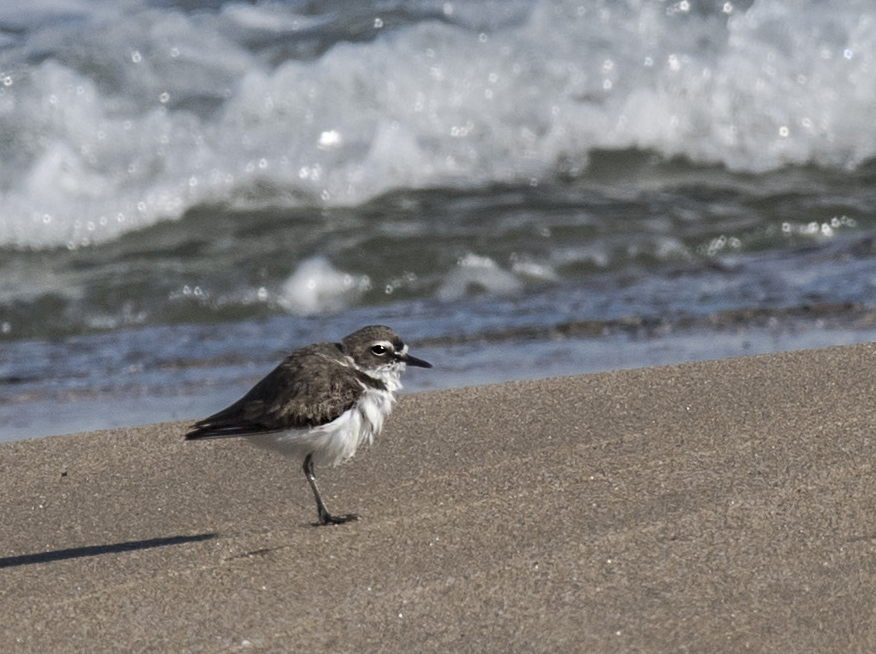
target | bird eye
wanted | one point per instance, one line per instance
(379, 350)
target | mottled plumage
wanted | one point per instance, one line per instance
(320, 403)
(312, 386)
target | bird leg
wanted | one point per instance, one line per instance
(325, 518)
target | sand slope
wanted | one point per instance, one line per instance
(709, 507)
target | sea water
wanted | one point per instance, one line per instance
(190, 189)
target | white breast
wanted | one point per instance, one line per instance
(338, 440)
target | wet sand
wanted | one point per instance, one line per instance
(710, 507)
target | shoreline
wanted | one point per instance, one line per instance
(711, 506)
(26, 414)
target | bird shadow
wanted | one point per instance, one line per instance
(98, 550)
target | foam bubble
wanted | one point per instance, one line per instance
(317, 286)
(477, 274)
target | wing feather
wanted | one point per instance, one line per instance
(291, 396)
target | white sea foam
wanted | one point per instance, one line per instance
(115, 116)
(317, 286)
(477, 274)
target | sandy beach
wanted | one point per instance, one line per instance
(723, 506)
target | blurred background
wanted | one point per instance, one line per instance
(190, 189)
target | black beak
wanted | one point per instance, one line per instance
(414, 361)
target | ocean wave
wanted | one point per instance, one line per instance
(116, 116)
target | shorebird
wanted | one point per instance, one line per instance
(320, 404)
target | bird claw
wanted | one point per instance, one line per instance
(329, 519)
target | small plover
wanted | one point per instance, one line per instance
(320, 404)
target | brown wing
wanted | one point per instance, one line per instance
(309, 388)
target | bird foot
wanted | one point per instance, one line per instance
(329, 519)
